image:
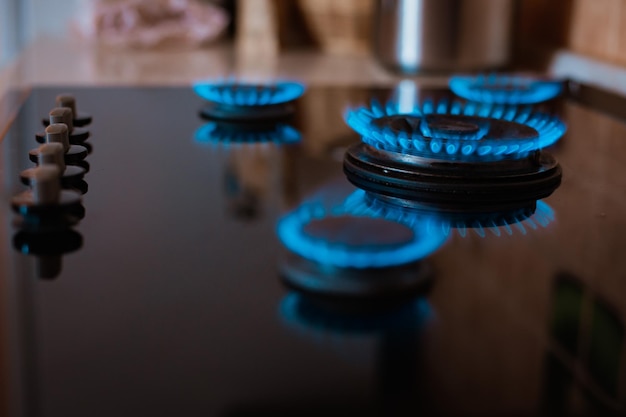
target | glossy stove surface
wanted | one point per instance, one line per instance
(174, 303)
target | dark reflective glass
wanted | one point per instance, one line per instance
(171, 299)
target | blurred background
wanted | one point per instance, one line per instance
(358, 42)
(587, 26)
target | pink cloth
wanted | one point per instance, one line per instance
(150, 23)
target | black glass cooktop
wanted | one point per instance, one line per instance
(174, 294)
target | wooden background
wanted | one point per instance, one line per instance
(592, 27)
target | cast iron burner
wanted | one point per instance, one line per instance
(445, 180)
(373, 285)
(453, 185)
(248, 102)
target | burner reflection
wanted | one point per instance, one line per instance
(230, 134)
(390, 337)
(48, 248)
(505, 89)
(313, 315)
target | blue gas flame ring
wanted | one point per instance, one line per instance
(505, 89)
(495, 143)
(427, 235)
(228, 133)
(240, 94)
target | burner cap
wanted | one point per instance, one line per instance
(448, 136)
(506, 89)
(248, 102)
(358, 232)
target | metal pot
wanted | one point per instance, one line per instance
(442, 35)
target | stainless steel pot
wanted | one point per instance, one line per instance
(442, 35)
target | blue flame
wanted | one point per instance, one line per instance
(496, 224)
(417, 141)
(226, 133)
(428, 236)
(542, 218)
(241, 94)
(505, 89)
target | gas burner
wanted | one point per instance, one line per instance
(456, 131)
(350, 234)
(456, 157)
(534, 216)
(230, 100)
(224, 133)
(342, 248)
(506, 89)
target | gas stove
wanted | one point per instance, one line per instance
(235, 252)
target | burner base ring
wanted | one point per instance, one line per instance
(455, 186)
(389, 284)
